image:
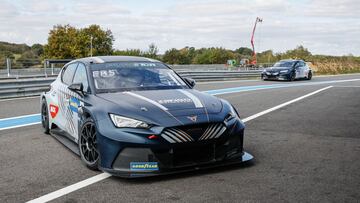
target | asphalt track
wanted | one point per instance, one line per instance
(304, 152)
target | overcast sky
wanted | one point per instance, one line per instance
(323, 26)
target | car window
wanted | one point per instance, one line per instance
(81, 76)
(302, 64)
(284, 64)
(128, 76)
(68, 73)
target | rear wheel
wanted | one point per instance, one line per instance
(309, 75)
(45, 116)
(88, 144)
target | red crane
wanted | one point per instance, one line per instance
(253, 61)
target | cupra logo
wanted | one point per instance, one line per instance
(192, 118)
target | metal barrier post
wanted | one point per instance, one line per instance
(45, 64)
(52, 69)
(8, 65)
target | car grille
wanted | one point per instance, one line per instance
(193, 133)
(195, 155)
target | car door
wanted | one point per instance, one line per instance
(298, 69)
(64, 95)
(302, 69)
(76, 100)
(306, 69)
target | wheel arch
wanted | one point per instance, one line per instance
(85, 114)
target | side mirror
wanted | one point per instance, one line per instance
(77, 87)
(190, 81)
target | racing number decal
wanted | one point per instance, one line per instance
(53, 110)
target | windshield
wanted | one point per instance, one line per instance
(127, 76)
(284, 64)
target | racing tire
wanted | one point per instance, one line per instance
(309, 75)
(292, 76)
(88, 145)
(263, 78)
(45, 117)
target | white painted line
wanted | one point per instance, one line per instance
(70, 188)
(18, 126)
(102, 176)
(20, 98)
(347, 86)
(283, 104)
(323, 76)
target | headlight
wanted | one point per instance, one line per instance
(123, 122)
(284, 71)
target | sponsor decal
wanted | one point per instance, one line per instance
(53, 110)
(175, 101)
(144, 64)
(192, 118)
(104, 73)
(144, 166)
(74, 104)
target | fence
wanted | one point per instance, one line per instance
(20, 81)
(10, 68)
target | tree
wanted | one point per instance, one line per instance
(28, 59)
(65, 41)
(102, 41)
(299, 52)
(37, 49)
(172, 56)
(244, 51)
(61, 42)
(213, 56)
(182, 56)
(266, 57)
(129, 52)
(152, 52)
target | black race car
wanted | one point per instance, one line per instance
(287, 70)
(134, 116)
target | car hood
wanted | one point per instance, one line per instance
(277, 69)
(155, 106)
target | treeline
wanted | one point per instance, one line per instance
(68, 42)
(23, 54)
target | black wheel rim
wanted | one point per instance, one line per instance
(293, 76)
(88, 144)
(44, 116)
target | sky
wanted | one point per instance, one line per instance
(330, 27)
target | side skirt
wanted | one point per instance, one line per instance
(65, 139)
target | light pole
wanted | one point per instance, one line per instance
(91, 45)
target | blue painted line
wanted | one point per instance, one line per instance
(261, 87)
(13, 122)
(36, 118)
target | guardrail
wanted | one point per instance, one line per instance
(33, 85)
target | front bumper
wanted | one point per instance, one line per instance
(245, 157)
(158, 157)
(278, 76)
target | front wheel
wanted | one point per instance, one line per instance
(45, 117)
(292, 76)
(309, 75)
(88, 144)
